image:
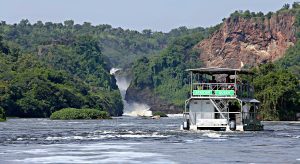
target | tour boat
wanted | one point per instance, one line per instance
(220, 100)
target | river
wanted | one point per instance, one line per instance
(138, 140)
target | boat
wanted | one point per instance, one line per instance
(220, 100)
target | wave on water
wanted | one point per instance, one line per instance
(211, 134)
(98, 135)
(175, 115)
(97, 153)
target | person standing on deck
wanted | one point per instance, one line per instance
(245, 109)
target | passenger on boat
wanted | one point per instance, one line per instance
(245, 109)
(227, 79)
(213, 80)
(231, 109)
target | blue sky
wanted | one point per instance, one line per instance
(157, 15)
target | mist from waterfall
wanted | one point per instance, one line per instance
(134, 108)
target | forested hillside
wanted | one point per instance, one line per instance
(49, 66)
(67, 76)
(119, 45)
(37, 79)
(162, 79)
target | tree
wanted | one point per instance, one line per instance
(277, 90)
(147, 32)
(39, 24)
(260, 14)
(69, 23)
(269, 15)
(286, 6)
(247, 14)
(296, 5)
(2, 114)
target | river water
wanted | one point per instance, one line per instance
(139, 140)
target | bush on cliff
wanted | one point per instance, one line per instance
(73, 113)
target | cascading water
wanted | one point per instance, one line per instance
(130, 109)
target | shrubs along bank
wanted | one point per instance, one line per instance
(73, 113)
(2, 115)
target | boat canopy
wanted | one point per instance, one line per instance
(215, 70)
(249, 100)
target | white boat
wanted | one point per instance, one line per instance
(219, 100)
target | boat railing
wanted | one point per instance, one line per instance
(213, 90)
(249, 117)
(206, 90)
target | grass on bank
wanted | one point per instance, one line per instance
(73, 113)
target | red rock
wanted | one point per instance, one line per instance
(251, 41)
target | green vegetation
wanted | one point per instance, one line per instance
(2, 115)
(119, 45)
(260, 15)
(38, 82)
(248, 15)
(276, 88)
(49, 66)
(159, 113)
(73, 113)
(291, 59)
(165, 73)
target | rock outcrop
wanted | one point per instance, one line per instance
(248, 42)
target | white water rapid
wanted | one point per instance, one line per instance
(130, 109)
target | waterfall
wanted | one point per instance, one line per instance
(134, 108)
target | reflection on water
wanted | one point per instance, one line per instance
(137, 140)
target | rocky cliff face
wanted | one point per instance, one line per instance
(248, 41)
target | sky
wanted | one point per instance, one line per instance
(157, 15)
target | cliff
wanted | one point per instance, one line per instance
(248, 42)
